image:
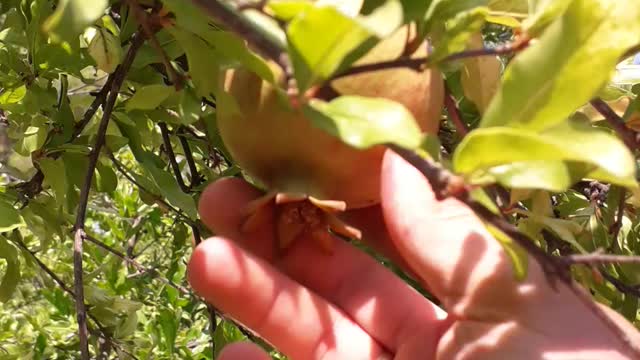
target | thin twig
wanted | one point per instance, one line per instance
(600, 258)
(454, 113)
(196, 179)
(416, 64)
(172, 157)
(120, 75)
(93, 108)
(627, 135)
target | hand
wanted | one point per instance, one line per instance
(348, 306)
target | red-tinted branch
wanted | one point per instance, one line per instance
(454, 112)
(627, 135)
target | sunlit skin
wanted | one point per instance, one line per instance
(311, 305)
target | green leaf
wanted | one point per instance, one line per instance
(105, 178)
(287, 10)
(10, 280)
(169, 187)
(459, 31)
(443, 10)
(106, 51)
(321, 41)
(55, 177)
(363, 122)
(9, 217)
(543, 13)
(609, 158)
(71, 17)
(169, 327)
(592, 34)
(202, 60)
(149, 97)
(11, 277)
(33, 139)
(518, 256)
(235, 52)
(13, 95)
(542, 174)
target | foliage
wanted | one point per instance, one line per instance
(568, 180)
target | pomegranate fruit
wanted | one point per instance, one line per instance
(302, 165)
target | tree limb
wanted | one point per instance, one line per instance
(118, 78)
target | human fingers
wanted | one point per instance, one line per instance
(243, 351)
(470, 272)
(380, 302)
(291, 317)
(448, 245)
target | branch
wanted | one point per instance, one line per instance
(417, 64)
(172, 157)
(627, 135)
(65, 288)
(600, 259)
(454, 113)
(118, 79)
(93, 108)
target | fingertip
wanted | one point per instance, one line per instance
(211, 269)
(222, 202)
(243, 351)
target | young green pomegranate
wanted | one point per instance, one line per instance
(310, 174)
